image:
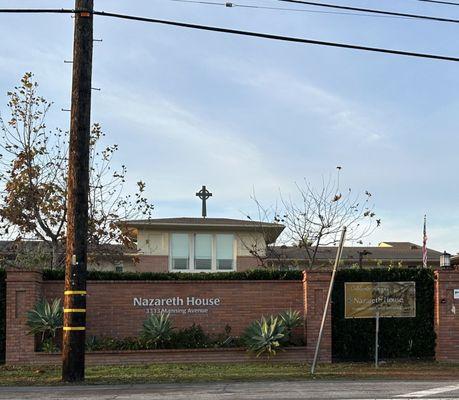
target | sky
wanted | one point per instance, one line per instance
(242, 115)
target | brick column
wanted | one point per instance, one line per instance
(315, 288)
(23, 289)
(446, 316)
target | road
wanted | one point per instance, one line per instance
(394, 390)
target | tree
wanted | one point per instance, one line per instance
(316, 217)
(33, 175)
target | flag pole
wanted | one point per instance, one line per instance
(424, 243)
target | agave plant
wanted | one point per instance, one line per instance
(157, 329)
(45, 318)
(264, 336)
(290, 319)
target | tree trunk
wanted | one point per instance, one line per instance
(56, 256)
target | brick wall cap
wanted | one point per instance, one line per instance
(447, 275)
(23, 275)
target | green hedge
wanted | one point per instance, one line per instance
(354, 339)
(257, 274)
(2, 314)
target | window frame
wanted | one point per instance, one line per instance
(191, 252)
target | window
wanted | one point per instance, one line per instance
(119, 266)
(180, 251)
(201, 252)
(225, 252)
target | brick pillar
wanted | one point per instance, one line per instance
(446, 316)
(23, 289)
(315, 289)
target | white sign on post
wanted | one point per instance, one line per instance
(456, 294)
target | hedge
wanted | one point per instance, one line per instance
(256, 274)
(354, 339)
(2, 314)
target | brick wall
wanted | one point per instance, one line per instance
(152, 264)
(447, 316)
(112, 311)
(23, 289)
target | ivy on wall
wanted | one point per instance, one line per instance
(354, 339)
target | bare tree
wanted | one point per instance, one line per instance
(263, 241)
(33, 178)
(315, 217)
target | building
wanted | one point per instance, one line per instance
(199, 244)
(218, 245)
(221, 244)
(386, 254)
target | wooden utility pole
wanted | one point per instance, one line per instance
(73, 361)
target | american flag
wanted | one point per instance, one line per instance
(424, 245)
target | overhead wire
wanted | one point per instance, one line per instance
(242, 33)
(276, 37)
(449, 3)
(372, 10)
(239, 5)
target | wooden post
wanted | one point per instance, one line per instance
(73, 361)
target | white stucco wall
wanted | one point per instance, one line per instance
(153, 243)
(156, 243)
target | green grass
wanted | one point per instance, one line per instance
(169, 373)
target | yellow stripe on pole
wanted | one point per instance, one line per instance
(74, 328)
(70, 292)
(71, 310)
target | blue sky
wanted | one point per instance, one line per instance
(234, 113)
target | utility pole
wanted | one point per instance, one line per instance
(73, 361)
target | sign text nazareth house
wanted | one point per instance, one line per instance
(184, 305)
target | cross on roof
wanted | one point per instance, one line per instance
(204, 194)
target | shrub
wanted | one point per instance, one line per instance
(353, 339)
(48, 346)
(94, 343)
(45, 319)
(264, 336)
(253, 274)
(157, 330)
(193, 337)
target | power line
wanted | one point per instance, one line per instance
(371, 10)
(449, 3)
(244, 33)
(238, 5)
(276, 37)
(37, 11)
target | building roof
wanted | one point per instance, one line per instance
(199, 221)
(271, 230)
(397, 251)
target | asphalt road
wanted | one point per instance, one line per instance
(398, 390)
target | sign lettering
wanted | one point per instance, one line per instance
(177, 305)
(388, 299)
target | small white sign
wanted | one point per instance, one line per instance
(456, 294)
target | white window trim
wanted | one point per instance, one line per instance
(191, 236)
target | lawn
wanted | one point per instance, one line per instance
(167, 373)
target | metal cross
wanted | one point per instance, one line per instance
(204, 194)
